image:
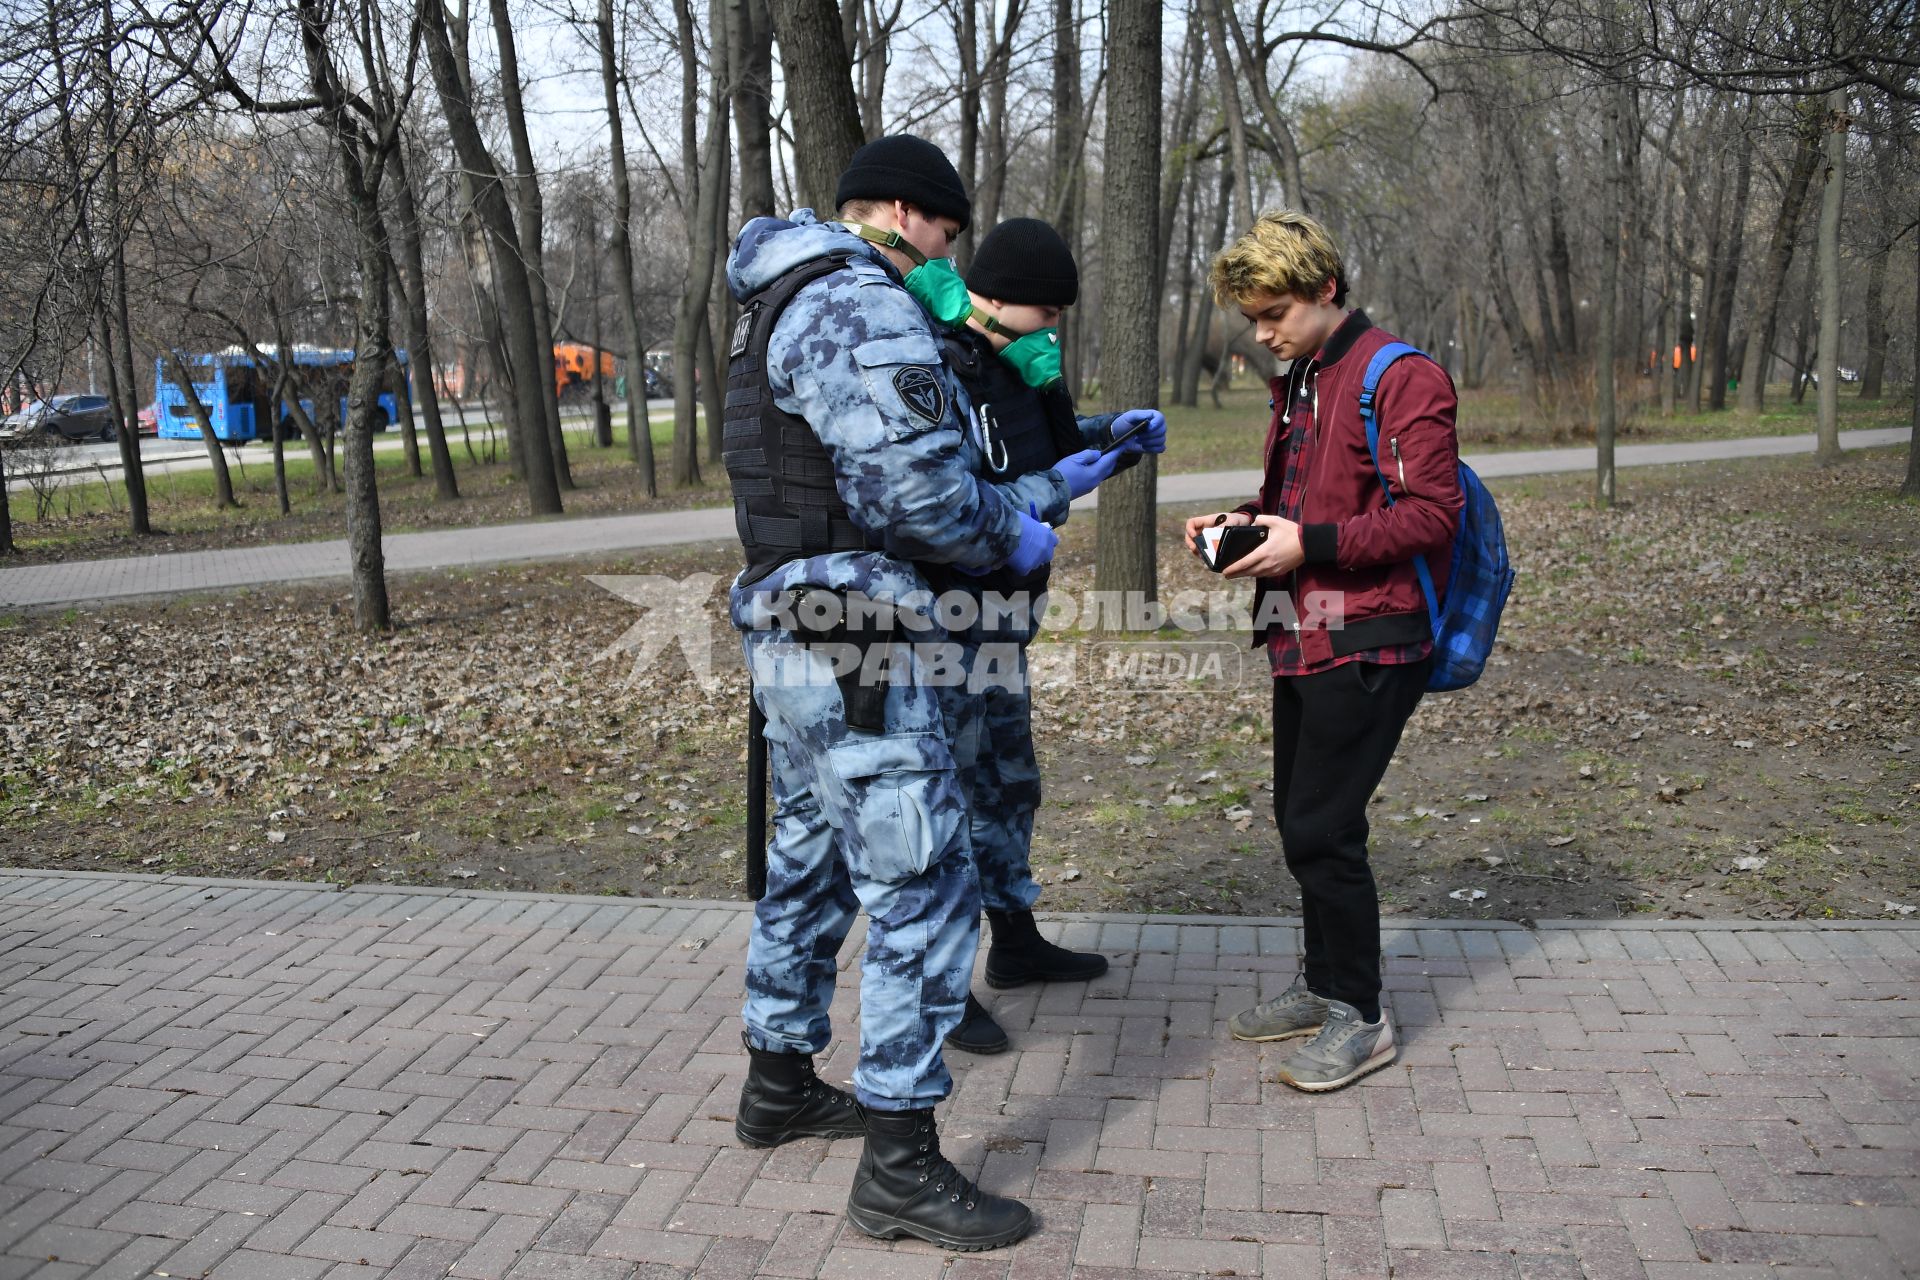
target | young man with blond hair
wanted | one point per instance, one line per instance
(1352, 653)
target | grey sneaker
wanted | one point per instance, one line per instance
(1298, 1012)
(1345, 1050)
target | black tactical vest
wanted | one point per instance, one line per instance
(1020, 430)
(784, 503)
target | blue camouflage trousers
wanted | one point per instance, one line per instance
(864, 821)
(1001, 772)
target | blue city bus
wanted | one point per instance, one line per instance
(236, 395)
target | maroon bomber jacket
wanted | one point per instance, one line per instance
(1358, 588)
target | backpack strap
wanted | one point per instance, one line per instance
(1383, 359)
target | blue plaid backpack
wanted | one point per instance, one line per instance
(1465, 622)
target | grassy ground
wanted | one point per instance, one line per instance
(1706, 703)
(88, 520)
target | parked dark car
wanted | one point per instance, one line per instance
(74, 417)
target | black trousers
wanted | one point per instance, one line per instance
(1334, 733)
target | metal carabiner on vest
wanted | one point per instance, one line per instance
(990, 442)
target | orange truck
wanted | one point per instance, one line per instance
(573, 370)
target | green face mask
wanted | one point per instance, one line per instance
(934, 281)
(1036, 358)
(941, 291)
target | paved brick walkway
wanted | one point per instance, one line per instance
(134, 577)
(262, 1082)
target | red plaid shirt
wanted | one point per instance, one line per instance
(1299, 439)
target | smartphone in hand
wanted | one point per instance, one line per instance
(1132, 431)
(1224, 545)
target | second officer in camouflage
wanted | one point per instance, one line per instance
(1043, 455)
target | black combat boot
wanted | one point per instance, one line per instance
(1019, 955)
(977, 1032)
(783, 1100)
(905, 1187)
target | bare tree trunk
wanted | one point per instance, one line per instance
(413, 286)
(530, 364)
(1762, 324)
(1525, 353)
(126, 395)
(966, 41)
(1606, 361)
(992, 184)
(750, 55)
(1709, 294)
(1631, 320)
(1803, 371)
(690, 330)
(1663, 368)
(222, 480)
(1874, 372)
(323, 476)
(1560, 263)
(713, 387)
(1229, 85)
(506, 403)
(819, 88)
(1910, 488)
(1727, 276)
(1285, 148)
(373, 339)
(1064, 144)
(1686, 380)
(120, 362)
(1183, 324)
(119, 352)
(639, 430)
(1129, 309)
(1832, 194)
(870, 49)
(280, 382)
(1551, 341)
(1066, 193)
(1187, 391)
(532, 228)
(1173, 178)
(396, 376)
(6, 506)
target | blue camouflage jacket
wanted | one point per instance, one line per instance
(856, 356)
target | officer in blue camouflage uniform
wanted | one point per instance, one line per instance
(852, 476)
(1042, 455)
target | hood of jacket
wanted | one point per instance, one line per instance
(768, 248)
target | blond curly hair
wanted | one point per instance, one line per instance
(1283, 252)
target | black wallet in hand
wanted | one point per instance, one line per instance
(1236, 542)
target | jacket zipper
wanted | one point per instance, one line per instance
(1394, 442)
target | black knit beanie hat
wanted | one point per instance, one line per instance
(903, 167)
(1024, 260)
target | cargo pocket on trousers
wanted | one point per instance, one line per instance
(898, 804)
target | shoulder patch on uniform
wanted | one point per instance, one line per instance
(742, 331)
(921, 391)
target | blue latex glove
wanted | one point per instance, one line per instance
(1151, 438)
(1084, 471)
(1035, 548)
(1037, 541)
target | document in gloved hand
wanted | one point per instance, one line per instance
(1222, 545)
